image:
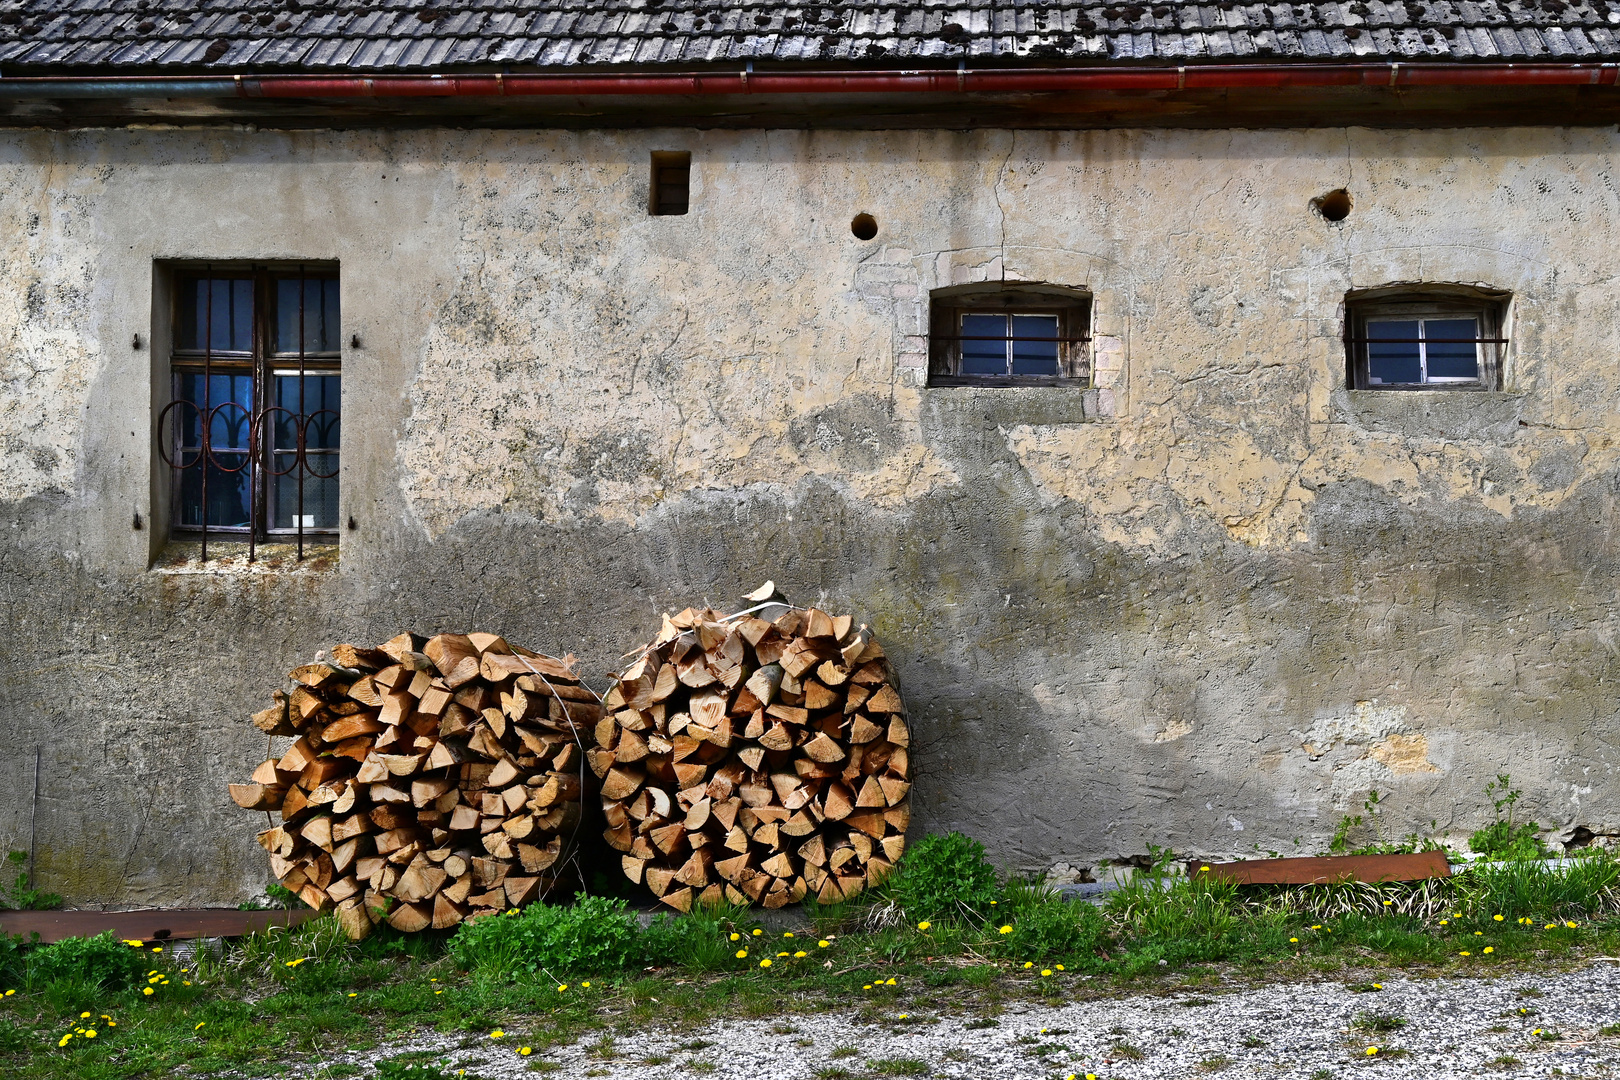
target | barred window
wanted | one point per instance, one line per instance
(1447, 338)
(252, 431)
(1009, 335)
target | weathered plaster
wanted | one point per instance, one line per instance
(1211, 602)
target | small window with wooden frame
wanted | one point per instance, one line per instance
(251, 429)
(1003, 334)
(670, 193)
(1442, 337)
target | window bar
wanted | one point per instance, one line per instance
(205, 452)
(255, 443)
(302, 419)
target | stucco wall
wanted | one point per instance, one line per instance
(1210, 605)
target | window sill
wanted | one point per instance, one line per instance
(981, 406)
(230, 558)
(1467, 413)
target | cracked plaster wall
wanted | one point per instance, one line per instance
(1210, 603)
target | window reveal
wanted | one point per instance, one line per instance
(1444, 337)
(1009, 335)
(253, 430)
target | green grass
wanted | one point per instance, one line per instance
(272, 999)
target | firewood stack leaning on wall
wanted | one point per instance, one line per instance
(427, 781)
(755, 759)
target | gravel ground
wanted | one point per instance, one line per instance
(1453, 1028)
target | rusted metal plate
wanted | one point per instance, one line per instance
(1328, 868)
(172, 925)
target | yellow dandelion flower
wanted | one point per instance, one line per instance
(800, 955)
(497, 1034)
(1294, 940)
(1443, 922)
(10, 992)
(200, 1023)
(904, 1016)
(823, 944)
(63, 1041)
(147, 990)
(1318, 926)
(354, 995)
(1006, 929)
(1490, 948)
(525, 1051)
(1377, 986)
(1479, 933)
(1371, 1050)
(84, 1016)
(1549, 926)
(765, 962)
(185, 982)
(561, 987)
(111, 1023)
(1387, 903)
(586, 985)
(787, 933)
(436, 993)
(890, 982)
(157, 948)
(1203, 869)
(924, 925)
(1046, 973)
(1028, 965)
(781, 954)
(1570, 925)
(1498, 918)
(90, 1033)
(1465, 953)
(868, 986)
(742, 954)
(1058, 966)
(735, 937)
(758, 932)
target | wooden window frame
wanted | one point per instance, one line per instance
(263, 365)
(947, 307)
(1489, 309)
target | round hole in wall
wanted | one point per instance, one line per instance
(1335, 205)
(864, 226)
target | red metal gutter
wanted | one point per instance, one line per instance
(938, 81)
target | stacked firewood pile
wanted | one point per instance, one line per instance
(755, 759)
(428, 781)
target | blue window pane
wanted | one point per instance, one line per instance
(218, 312)
(320, 403)
(318, 508)
(1393, 361)
(319, 315)
(1035, 357)
(306, 493)
(229, 401)
(1451, 359)
(228, 492)
(984, 357)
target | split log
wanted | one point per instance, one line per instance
(416, 768)
(760, 758)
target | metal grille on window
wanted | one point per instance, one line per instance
(253, 431)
